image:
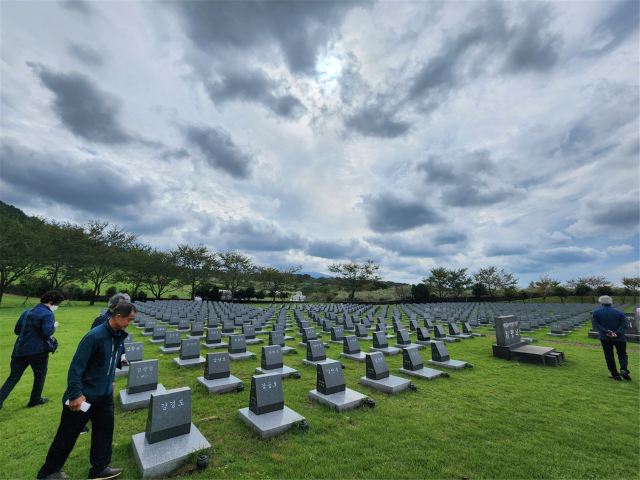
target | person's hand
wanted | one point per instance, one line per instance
(74, 405)
(613, 335)
(55, 324)
(125, 362)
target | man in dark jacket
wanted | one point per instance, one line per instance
(34, 330)
(111, 304)
(90, 381)
(611, 324)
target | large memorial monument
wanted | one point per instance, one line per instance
(509, 345)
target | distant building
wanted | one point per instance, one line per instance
(298, 297)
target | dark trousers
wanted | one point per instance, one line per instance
(71, 424)
(38, 363)
(621, 349)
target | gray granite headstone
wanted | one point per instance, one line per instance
(228, 327)
(438, 331)
(403, 337)
(190, 349)
(237, 344)
(249, 332)
(439, 352)
(411, 359)
(134, 351)
(380, 340)
(453, 329)
(377, 367)
(143, 376)
(507, 330)
(172, 340)
(309, 334)
(315, 351)
(330, 378)
(271, 357)
(159, 332)
(184, 324)
(423, 334)
(169, 415)
(361, 330)
(276, 338)
(149, 326)
(350, 345)
(212, 322)
(214, 335)
(278, 327)
(337, 334)
(129, 338)
(217, 366)
(197, 328)
(266, 394)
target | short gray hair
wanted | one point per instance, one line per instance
(118, 298)
(605, 300)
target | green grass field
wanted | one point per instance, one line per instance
(499, 419)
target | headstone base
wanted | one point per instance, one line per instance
(326, 345)
(196, 336)
(192, 362)
(241, 356)
(220, 385)
(136, 401)
(400, 345)
(450, 364)
(313, 364)
(162, 458)
(169, 349)
(390, 385)
(390, 351)
(147, 334)
(447, 339)
(227, 335)
(463, 336)
(262, 332)
(161, 340)
(341, 401)
(557, 334)
(424, 342)
(366, 339)
(285, 372)
(122, 372)
(286, 350)
(213, 346)
(424, 372)
(254, 341)
(358, 357)
(337, 342)
(270, 424)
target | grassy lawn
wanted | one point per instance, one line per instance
(499, 419)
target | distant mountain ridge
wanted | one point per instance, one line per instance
(315, 274)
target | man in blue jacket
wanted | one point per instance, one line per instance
(90, 381)
(34, 329)
(611, 324)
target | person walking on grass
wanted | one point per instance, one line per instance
(34, 329)
(89, 396)
(611, 324)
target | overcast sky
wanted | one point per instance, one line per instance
(417, 134)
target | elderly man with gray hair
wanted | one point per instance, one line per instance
(113, 301)
(611, 324)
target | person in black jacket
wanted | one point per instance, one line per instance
(34, 330)
(611, 324)
(91, 381)
(119, 297)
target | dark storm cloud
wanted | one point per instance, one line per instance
(86, 54)
(94, 185)
(465, 180)
(498, 249)
(338, 250)
(258, 236)
(619, 213)
(174, 154)
(80, 6)
(254, 86)
(567, 255)
(616, 27)
(373, 121)
(85, 110)
(407, 247)
(388, 213)
(580, 135)
(299, 29)
(219, 150)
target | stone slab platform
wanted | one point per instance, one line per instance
(169, 349)
(220, 385)
(450, 364)
(136, 401)
(241, 356)
(424, 373)
(192, 362)
(285, 372)
(341, 401)
(162, 458)
(213, 346)
(270, 424)
(400, 345)
(313, 364)
(390, 385)
(390, 351)
(358, 357)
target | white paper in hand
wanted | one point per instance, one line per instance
(84, 407)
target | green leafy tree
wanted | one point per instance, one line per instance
(420, 292)
(495, 280)
(133, 270)
(197, 265)
(561, 292)
(21, 249)
(545, 286)
(107, 253)
(581, 290)
(511, 293)
(458, 281)
(438, 281)
(479, 290)
(354, 277)
(276, 279)
(161, 272)
(234, 269)
(633, 285)
(65, 254)
(595, 283)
